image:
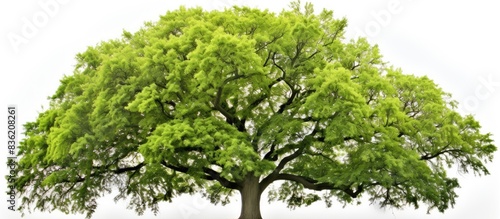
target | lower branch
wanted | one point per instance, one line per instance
(431, 156)
(210, 175)
(315, 185)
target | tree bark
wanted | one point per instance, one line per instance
(250, 198)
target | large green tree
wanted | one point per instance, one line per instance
(230, 101)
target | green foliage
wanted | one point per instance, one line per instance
(203, 101)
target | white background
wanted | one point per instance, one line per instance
(456, 43)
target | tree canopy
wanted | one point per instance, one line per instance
(230, 101)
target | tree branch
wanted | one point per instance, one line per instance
(117, 171)
(210, 175)
(315, 185)
(289, 158)
(278, 66)
(431, 156)
(126, 169)
(217, 106)
(224, 182)
(290, 99)
(274, 175)
(230, 118)
(270, 154)
(163, 109)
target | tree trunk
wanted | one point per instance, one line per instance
(250, 198)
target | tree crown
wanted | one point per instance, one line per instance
(202, 100)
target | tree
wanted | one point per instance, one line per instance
(232, 101)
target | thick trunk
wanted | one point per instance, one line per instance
(250, 198)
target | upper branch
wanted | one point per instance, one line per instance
(230, 118)
(290, 99)
(162, 109)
